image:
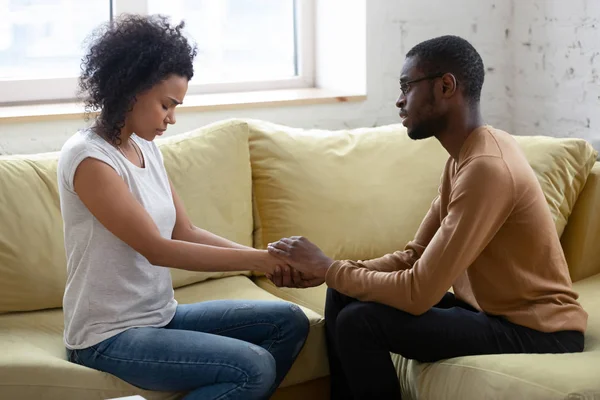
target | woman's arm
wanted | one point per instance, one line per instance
(186, 231)
(108, 198)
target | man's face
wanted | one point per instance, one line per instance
(420, 108)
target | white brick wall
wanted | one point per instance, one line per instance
(483, 23)
(556, 53)
(528, 47)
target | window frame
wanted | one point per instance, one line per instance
(49, 90)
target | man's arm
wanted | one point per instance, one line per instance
(401, 260)
(405, 259)
(481, 200)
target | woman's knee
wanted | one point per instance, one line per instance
(250, 374)
(260, 372)
(299, 321)
(291, 320)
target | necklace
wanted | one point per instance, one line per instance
(139, 154)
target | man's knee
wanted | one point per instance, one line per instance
(337, 300)
(355, 318)
(332, 296)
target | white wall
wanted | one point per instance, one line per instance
(528, 48)
(556, 82)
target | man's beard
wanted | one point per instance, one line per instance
(430, 126)
(427, 129)
(422, 131)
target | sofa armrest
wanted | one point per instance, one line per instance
(580, 238)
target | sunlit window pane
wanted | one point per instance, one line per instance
(43, 38)
(238, 40)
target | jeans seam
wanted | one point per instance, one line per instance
(275, 341)
(220, 363)
(245, 325)
(232, 390)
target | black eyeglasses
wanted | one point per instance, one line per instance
(405, 86)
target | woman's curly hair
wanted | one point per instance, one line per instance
(126, 57)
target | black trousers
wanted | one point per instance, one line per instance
(361, 335)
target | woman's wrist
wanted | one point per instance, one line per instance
(260, 260)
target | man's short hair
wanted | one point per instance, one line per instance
(454, 55)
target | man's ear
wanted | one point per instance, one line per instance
(449, 85)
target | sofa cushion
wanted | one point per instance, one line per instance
(358, 194)
(32, 253)
(210, 170)
(362, 193)
(311, 298)
(514, 376)
(33, 361)
(562, 166)
(580, 238)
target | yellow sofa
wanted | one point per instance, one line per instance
(357, 193)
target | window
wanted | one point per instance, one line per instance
(41, 46)
(243, 45)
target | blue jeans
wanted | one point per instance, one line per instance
(213, 350)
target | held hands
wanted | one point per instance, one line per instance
(290, 277)
(282, 275)
(308, 263)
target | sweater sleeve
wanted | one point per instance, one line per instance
(401, 260)
(481, 199)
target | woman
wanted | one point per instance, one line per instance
(124, 223)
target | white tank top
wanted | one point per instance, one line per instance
(111, 287)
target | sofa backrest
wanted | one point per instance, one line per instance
(32, 253)
(209, 168)
(362, 193)
(357, 193)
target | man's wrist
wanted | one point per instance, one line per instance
(325, 267)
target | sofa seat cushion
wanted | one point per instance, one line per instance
(33, 360)
(311, 298)
(514, 376)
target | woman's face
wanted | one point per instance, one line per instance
(154, 109)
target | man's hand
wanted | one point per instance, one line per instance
(289, 277)
(303, 256)
(281, 276)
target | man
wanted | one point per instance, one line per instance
(489, 234)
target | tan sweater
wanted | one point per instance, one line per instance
(489, 234)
